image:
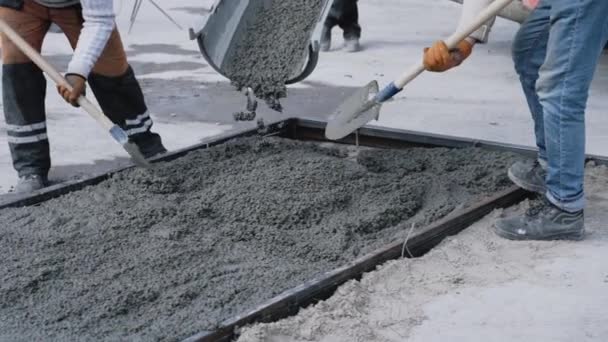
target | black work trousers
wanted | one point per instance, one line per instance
(344, 13)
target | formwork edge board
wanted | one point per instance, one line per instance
(433, 139)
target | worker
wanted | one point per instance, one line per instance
(555, 52)
(343, 13)
(99, 57)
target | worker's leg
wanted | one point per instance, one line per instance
(114, 85)
(345, 14)
(331, 21)
(529, 52)
(24, 88)
(349, 19)
(579, 30)
(333, 18)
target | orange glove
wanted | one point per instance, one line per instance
(439, 59)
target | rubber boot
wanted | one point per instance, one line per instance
(30, 183)
(23, 93)
(352, 45)
(122, 100)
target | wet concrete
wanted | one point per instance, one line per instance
(162, 254)
(272, 48)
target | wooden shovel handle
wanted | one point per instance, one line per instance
(32, 54)
(484, 16)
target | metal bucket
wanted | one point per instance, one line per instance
(218, 34)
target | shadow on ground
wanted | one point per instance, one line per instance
(186, 100)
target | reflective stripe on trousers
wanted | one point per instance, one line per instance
(26, 134)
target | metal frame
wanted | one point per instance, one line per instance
(391, 137)
(322, 287)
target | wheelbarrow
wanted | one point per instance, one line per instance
(228, 20)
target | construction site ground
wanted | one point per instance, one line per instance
(484, 288)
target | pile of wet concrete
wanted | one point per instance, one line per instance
(165, 253)
(267, 55)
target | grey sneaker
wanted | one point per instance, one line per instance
(352, 45)
(543, 221)
(326, 39)
(527, 176)
(30, 183)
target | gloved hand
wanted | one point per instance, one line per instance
(78, 84)
(531, 4)
(439, 59)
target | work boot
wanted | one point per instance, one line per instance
(326, 39)
(30, 183)
(527, 176)
(150, 144)
(543, 221)
(352, 45)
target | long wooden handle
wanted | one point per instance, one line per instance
(484, 16)
(29, 51)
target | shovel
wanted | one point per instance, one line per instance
(364, 105)
(116, 131)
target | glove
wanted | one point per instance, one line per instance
(531, 4)
(439, 59)
(78, 84)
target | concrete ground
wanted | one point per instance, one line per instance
(480, 100)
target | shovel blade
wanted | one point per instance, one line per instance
(136, 156)
(122, 138)
(357, 110)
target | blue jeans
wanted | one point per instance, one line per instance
(556, 52)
